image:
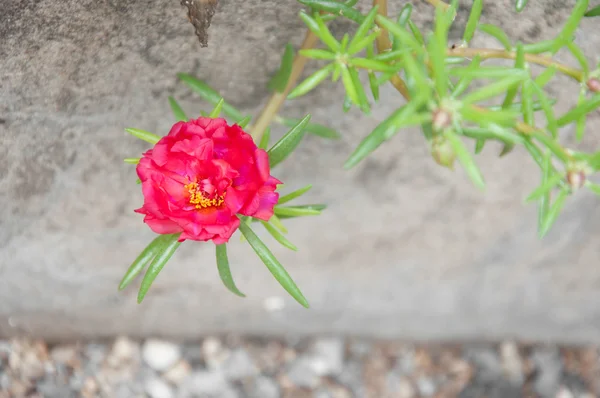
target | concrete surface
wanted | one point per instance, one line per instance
(406, 249)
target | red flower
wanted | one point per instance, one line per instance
(198, 177)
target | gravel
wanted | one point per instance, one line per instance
(325, 367)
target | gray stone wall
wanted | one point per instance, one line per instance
(406, 249)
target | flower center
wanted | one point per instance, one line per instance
(204, 195)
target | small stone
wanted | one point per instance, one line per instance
(359, 348)
(157, 388)
(328, 356)
(124, 352)
(512, 363)
(549, 365)
(206, 383)
(262, 387)
(214, 353)
(487, 362)
(160, 355)
(65, 354)
(178, 373)
(426, 386)
(90, 388)
(399, 386)
(239, 365)
(302, 373)
(564, 392)
(351, 377)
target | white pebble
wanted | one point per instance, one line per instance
(157, 388)
(160, 355)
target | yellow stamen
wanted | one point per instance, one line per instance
(200, 199)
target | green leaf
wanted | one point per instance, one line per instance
(317, 53)
(539, 47)
(276, 222)
(513, 90)
(132, 160)
(311, 82)
(273, 265)
(466, 159)
(553, 212)
(580, 122)
(171, 244)
(349, 85)
(367, 41)
(264, 140)
(544, 202)
(362, 30)
(520, 5)
(593, 12)
(217, 109)
(437, 53)
(545, 187)
(138, 181)
(580, 110)
(360, 91)
(402, 117)
(546, 106)
(344, 43)
(244, 122)
(552, 145)
(286, 145)
(347, 104)
(336, 8)
(494, 88)
(280, 80)
(143, 135)
(503, 117)
(372, 78)
(545, 77)
(293, 195)
(225, 271)
(372, 64)
(279, 236)
(493, 132)
(473, 20)
(479, 144)
(210, 95)
(498, 34)
(527, 102)
(326, 36)
(416, 32)
(177, 110)
(296, 211)
(140, 262)
(566, 34)
(403, 19)
(405, 38)
(312, 128)
(580, 57)
(466, 79)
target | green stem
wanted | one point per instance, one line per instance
(486, 53)
(384, 44)
(270, 110)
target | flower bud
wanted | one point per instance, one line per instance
(594, 85)
(576, 179)
(442, 152)
(441, 119)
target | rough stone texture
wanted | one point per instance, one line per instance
(405, 249)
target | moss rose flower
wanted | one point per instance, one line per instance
(196, 179)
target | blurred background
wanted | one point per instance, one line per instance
(419, 283)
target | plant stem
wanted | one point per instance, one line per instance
(533, 58)
(384, 44)
(270, 110)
